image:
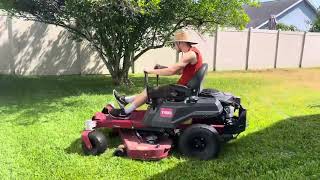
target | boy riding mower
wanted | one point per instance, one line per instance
(197, 121)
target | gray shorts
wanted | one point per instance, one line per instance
(165, 91)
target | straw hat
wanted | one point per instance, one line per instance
(183, 36)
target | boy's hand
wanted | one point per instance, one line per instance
(148, 70)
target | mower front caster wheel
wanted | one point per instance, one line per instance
(98, 142)
(120, 151)
(200, 141)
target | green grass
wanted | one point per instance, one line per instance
(42, 118)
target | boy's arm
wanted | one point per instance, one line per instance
(189, 57)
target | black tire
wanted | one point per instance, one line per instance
(200, 141)
(105, 111)
(113, 133)
(120, 152)
(99, 144)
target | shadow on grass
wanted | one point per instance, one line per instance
(289, 148)
(75, 148)
(43, 88)
(31, 98)
(315, 106)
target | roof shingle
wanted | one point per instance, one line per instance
(262, 13)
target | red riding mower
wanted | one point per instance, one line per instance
(197, 121)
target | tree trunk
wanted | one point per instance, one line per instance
(121, 73)
(121, 78)
(118, 74)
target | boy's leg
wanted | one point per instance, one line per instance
(122, 100)
(129, 99)
(138, 100)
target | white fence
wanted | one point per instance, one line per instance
(30, 48)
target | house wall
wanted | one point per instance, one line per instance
(301, 16)
(316, 3)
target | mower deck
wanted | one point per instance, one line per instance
(137, 147)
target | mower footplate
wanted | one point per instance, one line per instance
(138, 148)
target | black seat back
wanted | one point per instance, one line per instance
(195, 83)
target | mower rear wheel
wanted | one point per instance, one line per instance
(200, 141)
(99, 144)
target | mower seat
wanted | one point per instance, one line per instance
(192, 88)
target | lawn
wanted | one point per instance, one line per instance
(42, 117)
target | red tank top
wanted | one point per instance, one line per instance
(190, 70)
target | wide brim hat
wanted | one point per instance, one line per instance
(183, 36)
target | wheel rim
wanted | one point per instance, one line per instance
(198, 143)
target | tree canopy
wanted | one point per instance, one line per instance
(122, 30)
(316, 24)
(284, 27)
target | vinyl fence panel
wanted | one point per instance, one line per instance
(289, 51)
(231, 50)
(262, 49)
(311, 55)
(5, 55)
(91, 63)
(206, 46)
(31, 48)
(41, 49)
(163, 56)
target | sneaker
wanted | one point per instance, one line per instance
(120, 99)
(119, 113)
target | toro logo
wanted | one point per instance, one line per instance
(166, 113)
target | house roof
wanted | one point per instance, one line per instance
(260, 15)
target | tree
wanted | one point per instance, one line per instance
(284, 27)
(316, 24)
(123, 30)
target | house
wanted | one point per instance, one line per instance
(316, 3)
(299, 13)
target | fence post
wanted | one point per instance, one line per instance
(215, 49)
(277, 49)
(11, 51)
(248, 48)
(302, 48)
